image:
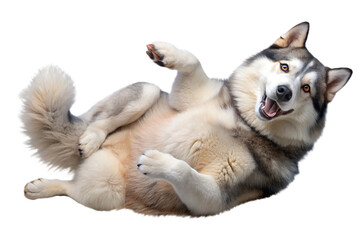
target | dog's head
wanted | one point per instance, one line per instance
(284, 90)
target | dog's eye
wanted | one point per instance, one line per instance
(284, 67)
(306, 88)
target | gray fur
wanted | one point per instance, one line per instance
(115, 103)
(54, 132)
(207, 146)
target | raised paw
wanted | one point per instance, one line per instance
(167, 55)
(90, 142)
(154, 55)
(156, 164)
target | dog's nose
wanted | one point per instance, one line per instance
(283, 93)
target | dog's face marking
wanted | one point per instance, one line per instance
(288, 84)
(289, 89)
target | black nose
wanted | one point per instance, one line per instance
(283, 93)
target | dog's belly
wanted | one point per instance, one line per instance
(195, 136)
(185, 135)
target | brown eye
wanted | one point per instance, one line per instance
(306, 88)
(284, 67)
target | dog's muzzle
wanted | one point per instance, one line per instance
(270, 108)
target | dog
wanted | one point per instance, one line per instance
(205, 147)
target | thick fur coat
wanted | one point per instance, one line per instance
(206, 147)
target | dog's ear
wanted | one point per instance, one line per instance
(336, 79)
(295, 37)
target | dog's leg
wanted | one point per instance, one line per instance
(45, 188)
(97, 184)
(121, 108)
(191, 86)
(199, 192)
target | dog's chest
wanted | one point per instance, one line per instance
(204, 138)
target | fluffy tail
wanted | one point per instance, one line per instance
(53, 131)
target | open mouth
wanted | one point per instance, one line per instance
(270, 109)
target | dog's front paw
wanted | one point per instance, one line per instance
(156, 164)
(167, 55)
(90, 142)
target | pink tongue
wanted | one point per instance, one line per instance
(270, 108)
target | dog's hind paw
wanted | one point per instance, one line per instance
(42, 188)
(90, 142)
(166, 55)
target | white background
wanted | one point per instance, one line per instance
(101, 45)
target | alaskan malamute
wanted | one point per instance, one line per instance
(206, 147)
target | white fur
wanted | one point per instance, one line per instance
(95, 134)
(192, 86)
(276, 77)
(44, 188)
(209, 143)
(199, 192)
(92, 138)
(295, 130)
(337, 80)
(46, 120)
(175, 58)
(97, 184)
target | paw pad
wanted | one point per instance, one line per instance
(154, 55)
